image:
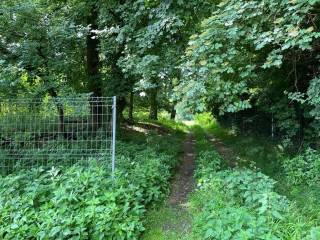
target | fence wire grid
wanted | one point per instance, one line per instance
(56, 131)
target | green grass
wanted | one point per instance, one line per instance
(267, 156)
(251, 150)
(145, 165)
(261, 152)
(218, 206)
(257, 153)
(167, 223)
(162, 222)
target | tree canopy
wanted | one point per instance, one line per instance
(257, 60)
(260, 55)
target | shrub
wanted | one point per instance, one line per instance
(204, 119)
(304, 168)
(79, 203)
(243, 204)
(208, 162)
(82, 202)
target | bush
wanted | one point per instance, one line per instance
(80, 203)
(204, 119)
(243, 204)
(207, 161)
(304, 168)
(83, 202)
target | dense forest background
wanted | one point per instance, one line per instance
(245, 72)
(253, 64)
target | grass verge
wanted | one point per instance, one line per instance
(242, 203)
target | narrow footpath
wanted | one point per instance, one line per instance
(183, 182)
(172, 221)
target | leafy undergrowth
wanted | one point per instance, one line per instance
(83, 202)
(297, 177)
(242, 203)
(164, 221)
(301, 182)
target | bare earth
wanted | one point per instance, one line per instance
(183, 182)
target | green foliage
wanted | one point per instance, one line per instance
(205, 120)
(207, 161)
(155, 34)
(304, 168)
(306, 197)
(261, 153)
(40, 48)
(167, 223)
(247, 55)
(82, 202)
(242, 204)
(47, 45)
(79, 203)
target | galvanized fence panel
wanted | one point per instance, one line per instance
(56, 131)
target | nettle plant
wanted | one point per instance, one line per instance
(208, 162)
(255, 190)
(242, 204)
(83, 202)
(304, 168)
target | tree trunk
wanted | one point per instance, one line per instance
(118, 77)
(93, 61)
(153, 114)
(93, 66)
(173, 112)
(121, 105)
(272, 126)
(60, 110)
(130, 115)
(301, 119)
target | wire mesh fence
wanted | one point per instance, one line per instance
(56, 131)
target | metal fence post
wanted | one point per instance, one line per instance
(114, 122)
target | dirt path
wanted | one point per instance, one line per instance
(226, 153)
(173, 221)
(183, 182)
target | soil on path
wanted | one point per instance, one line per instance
(173, 220)
(183, 182)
